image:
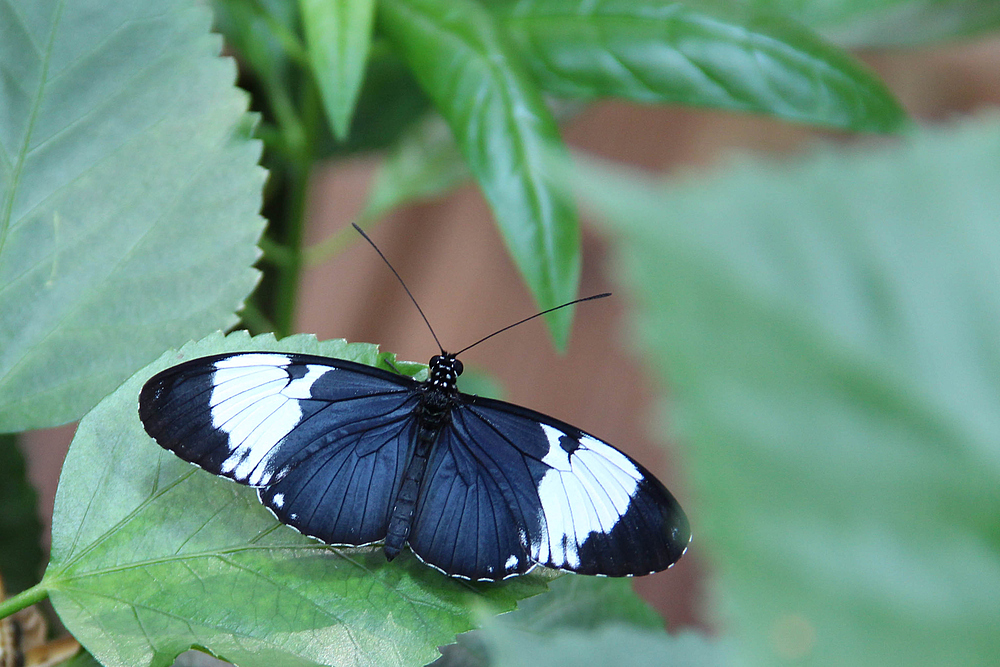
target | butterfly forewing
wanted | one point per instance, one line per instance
(323, 439)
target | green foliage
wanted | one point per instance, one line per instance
(338, 36)
(128, 197)
(828, 331)
(605, 646)
(485, 67)
(151, 556)
(583, 603)
(889, 22)
(573, 610)
(503, 129)
(710, 53)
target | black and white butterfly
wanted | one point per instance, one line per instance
(354, 455)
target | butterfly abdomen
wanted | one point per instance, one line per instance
(433, 414)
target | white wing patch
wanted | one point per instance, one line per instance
(586, 490)
(254, 402)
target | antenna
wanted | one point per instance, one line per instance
(484, 338)
(407, 289)
(511, 326)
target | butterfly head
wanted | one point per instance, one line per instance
(445, 369)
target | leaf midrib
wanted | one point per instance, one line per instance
(8, 208)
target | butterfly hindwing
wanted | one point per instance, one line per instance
(341, 491)
(575, 502)
(468, 520)
(323, 439)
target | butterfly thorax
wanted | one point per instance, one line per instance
(440, 390)
(444, 372)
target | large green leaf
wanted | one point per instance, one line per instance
(464, 62)
(575, 609)
(589, 621)
(151, 556)
(338, 36)
(890, 22)
(710, 53)
(128, 196)
(584, 603)
(609, 645)
(829, 332)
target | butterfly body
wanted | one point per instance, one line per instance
(354, 455)
(437, 396)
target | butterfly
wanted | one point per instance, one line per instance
(355, 455)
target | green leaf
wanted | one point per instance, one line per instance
(870, 23)
(425, 163)
(475, 79)
(20, 529)
(605, 646)
(263, 32)
(709, 53)
(81, 659)
(583, 603)
(151, 556)
(338, 36)
(129, 192)
(828, 331)
(479, 382)
(575, 606)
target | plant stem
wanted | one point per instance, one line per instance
(297, 184)
(24, 599)
(287, 274)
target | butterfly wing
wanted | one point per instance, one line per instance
(508, 488)
(324, 440)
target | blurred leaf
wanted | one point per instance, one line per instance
(480, 383)
(862, 23)
(81, 659)
(574, 606)
(264, 34)
(707, 53)
(501, 125)
(151, 556)
(425, 163)
(129, 192)
(583, 603)
(389, 104)
(338, 36)
(610, 645)
(829, 333)
(20, 529)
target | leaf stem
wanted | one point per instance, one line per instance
(24, 599)
(297, 181)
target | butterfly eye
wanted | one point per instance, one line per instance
(459, 367)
